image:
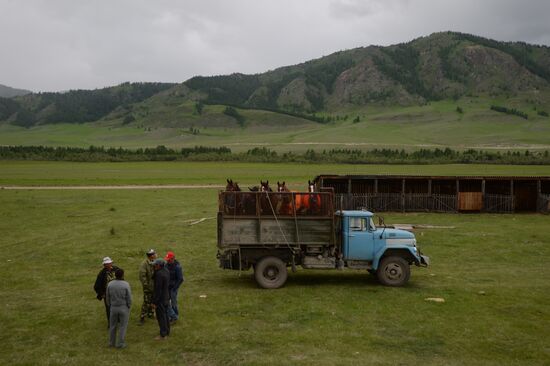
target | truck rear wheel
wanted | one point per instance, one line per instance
(393, 271)
(270, 272)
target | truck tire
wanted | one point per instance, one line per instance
(393, 271)
(270, 272)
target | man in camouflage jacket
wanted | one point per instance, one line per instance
(146, 278)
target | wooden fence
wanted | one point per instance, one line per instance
(396, 202)
(543, 203)
(498, 203)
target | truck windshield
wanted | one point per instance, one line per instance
(372, 227)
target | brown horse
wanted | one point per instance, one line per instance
(308, 203)
(284, 199)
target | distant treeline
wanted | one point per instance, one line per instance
(232, 112)
(347, 156)
(100, 153)
(510, 111)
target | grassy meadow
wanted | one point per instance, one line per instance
(49, 173)
(490, 269)
(436, 124)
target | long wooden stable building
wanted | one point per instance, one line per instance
(439, 193)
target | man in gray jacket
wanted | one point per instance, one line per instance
(119, 299)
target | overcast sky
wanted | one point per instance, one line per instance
(53, 45)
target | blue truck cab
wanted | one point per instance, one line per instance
(386, 252)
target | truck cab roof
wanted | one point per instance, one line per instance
(355, 213)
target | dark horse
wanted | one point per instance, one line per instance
(267, 200)
(263, 187)
(231, 201)
(232, 186)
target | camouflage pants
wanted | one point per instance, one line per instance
(147, 307)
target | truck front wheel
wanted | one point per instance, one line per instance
(393, 271)
(270, 272)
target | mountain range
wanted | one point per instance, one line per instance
(9, 92)
(442, 66)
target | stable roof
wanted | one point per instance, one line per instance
(440, 177)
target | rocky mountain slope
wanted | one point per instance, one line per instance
(444, 65)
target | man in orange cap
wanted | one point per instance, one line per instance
(176, 279)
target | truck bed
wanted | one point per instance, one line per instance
(260, 219)
(245, 231)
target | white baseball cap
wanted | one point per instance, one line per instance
(107, 260)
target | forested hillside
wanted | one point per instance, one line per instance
(75, 106)
(441, 66)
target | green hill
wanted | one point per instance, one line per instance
(447, 89)
(75, 106)
(441, 66)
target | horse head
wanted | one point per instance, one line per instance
(264, 186)
(232, 186)
(310, 186)
(281, 187)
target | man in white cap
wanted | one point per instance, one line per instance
(146, 278)
(106, 275)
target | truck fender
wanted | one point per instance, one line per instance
(404, 251)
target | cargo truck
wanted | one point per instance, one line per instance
(271, 232)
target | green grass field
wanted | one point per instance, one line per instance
(436, 124)
(29, 173)
(490, 269)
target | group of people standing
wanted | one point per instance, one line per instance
(160, 279)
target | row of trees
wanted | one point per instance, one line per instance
(511, 111)
(203, 153)
(100, 153)
(232, 112)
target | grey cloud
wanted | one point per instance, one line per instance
(68, 44)
(359, 8)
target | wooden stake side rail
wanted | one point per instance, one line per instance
(242, 231)
(275, 220)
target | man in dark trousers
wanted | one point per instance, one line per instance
(119, 299)
(176, 279)
(161, 297)
(146, 278)
(106, 275)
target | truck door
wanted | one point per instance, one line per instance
(360, 239)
